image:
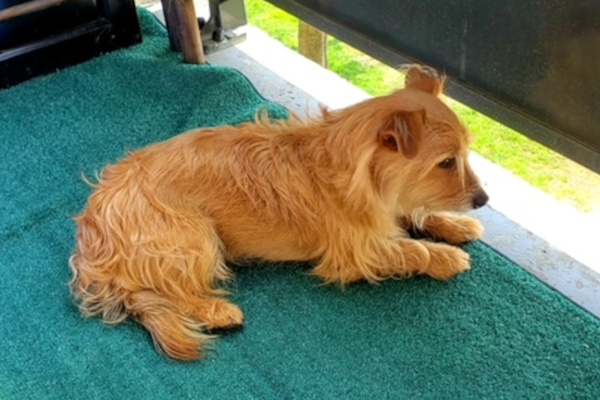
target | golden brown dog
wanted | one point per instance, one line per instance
(341, 191)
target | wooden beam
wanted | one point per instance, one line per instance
(184, 32)
(312, 43)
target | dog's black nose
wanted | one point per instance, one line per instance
(480, 199)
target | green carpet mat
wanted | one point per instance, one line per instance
(493, 333)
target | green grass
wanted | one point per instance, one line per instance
(536, 164)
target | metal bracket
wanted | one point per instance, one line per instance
(218, 32)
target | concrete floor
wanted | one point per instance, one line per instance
(547, 238)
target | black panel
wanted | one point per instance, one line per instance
(532, 64)
(36, 26)
(69, 33)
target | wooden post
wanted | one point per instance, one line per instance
(184, 33)
(312, 43)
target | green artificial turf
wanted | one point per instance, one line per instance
(493, 333)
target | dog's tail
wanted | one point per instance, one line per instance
(174, 334)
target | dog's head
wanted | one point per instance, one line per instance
(419, 149)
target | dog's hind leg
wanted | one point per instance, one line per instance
(188, 268)
(199, 269)
(215, 313)
(172, 288)
(174, 334)
(161, 268)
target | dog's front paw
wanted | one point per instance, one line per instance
(466, 229)
(446, 261)
(454, 229)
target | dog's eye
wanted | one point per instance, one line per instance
(448, 163)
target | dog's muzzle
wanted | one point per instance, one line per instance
(480, 199)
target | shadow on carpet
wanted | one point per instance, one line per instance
(493, 333)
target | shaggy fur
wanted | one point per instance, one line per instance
(341, 191)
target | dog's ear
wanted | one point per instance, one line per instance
(425, 79)
(404, 132)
